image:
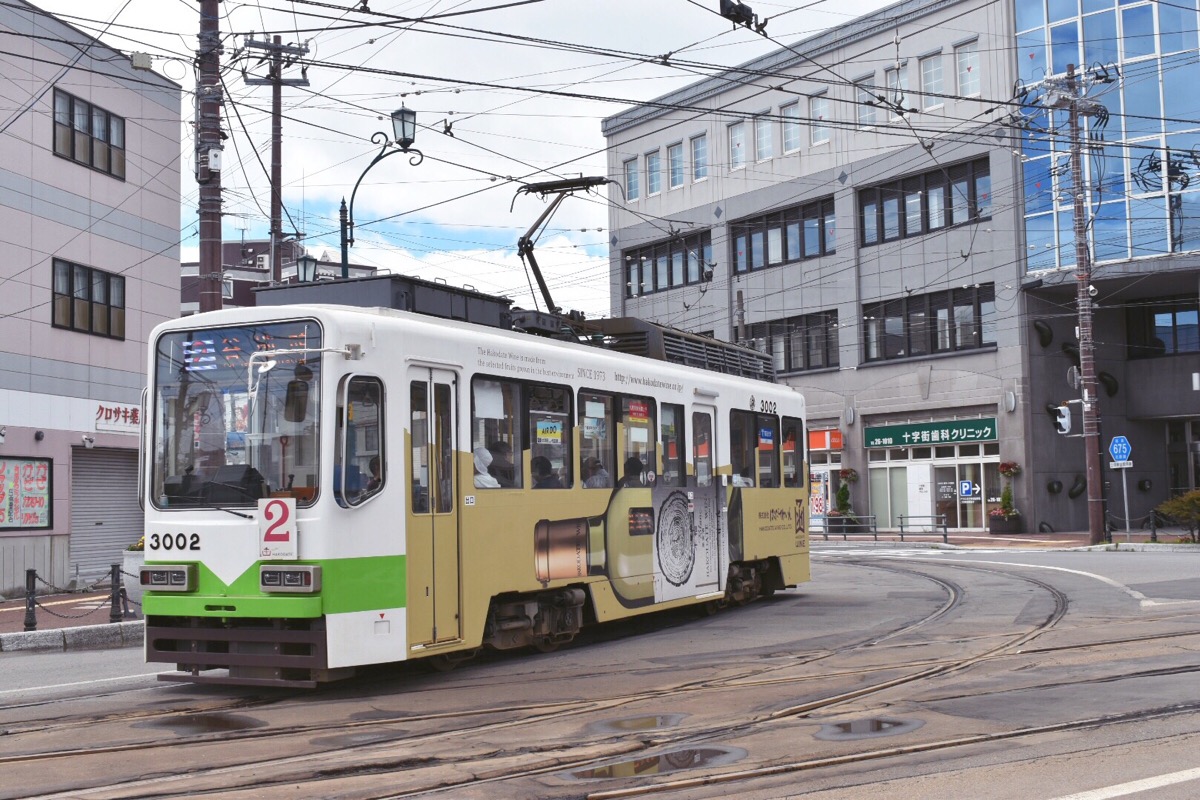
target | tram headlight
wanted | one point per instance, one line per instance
(294, 578)
(168, 577)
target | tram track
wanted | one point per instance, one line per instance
(557, 759)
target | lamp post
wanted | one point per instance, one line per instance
(306, 268)
(404, 127)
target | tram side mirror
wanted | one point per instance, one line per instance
(295, 400)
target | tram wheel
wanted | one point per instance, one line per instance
(710, 607)
(545, 645)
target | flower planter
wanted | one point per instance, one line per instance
(1000, 525)
(131, 564)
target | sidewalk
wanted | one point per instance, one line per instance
(83, 621)
(68, 622)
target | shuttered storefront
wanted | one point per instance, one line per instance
(105, 516)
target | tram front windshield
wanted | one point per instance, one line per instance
(235, 415)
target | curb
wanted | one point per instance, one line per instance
(88, 637)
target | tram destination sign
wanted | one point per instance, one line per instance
(909, 434)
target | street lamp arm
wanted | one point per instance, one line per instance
(386, 149)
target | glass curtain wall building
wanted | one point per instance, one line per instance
(1142, 166)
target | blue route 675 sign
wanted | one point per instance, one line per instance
(1120, 449)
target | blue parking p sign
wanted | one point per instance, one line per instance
(966, 488)
(1120, 449)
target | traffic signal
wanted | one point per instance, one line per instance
(1062, 419)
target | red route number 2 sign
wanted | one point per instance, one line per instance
(277, 528)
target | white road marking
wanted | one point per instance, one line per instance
(78, 683)
(1133, 787)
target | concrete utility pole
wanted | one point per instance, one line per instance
(1069, 97)
(208, 154)
(277, 50)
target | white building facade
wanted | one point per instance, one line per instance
(880, 209)
(90, 214)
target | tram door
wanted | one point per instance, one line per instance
(707, 492)
(432, 552)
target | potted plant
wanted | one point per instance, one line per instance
(841, 519)
(1005, 518)
(131, 564)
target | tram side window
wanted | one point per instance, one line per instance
(638, 456)
(793, 451)
(358, 467)
(702, 453)
(496, 433)
(596, 440)
(768, 450)
(742, 438)
(419, 431)
(550, 437)
(671, 428)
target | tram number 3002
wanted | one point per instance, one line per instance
(764, 406)
(173, 541)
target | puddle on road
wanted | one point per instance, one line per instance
(635, 724)
(192, 724)
(866, 728)
(663, 763)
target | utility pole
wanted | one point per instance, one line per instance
(277, 50)
(1067, 94)
(208, 154)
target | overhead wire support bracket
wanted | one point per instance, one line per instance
(559, 188)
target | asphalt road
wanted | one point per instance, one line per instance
(901, 672)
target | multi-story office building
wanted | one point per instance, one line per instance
(884, 210)
(90, 218)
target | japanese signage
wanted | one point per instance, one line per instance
(956, 431)
(117, 418)
(25, 496)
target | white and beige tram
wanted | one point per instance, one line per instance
(328, 487)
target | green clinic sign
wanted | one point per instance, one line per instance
(957, 431)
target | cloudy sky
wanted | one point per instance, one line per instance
(486, 69)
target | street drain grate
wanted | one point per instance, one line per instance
(867, 728)
(663, 763)
(635, 724)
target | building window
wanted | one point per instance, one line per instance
(931, 81)
(866, 100)
(88, 300)
(631, 179)
(699, 157)
(784, 236)
(653, 173)
(1164, 327)
(675, 165)
(89, 135)
(791, 127)
(737, 145)
(818, 111)
(941, 322)
(762, 138)
(966, 56)
(797, 344)
(897, 89)
(666, 265)
(928, 202)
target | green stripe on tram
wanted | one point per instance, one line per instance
(347, 585)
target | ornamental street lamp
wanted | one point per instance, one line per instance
(306, 268)
(404, 128)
